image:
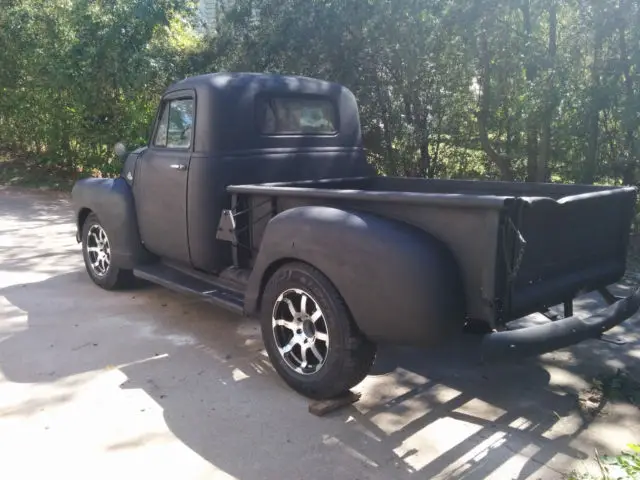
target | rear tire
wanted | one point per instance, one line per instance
(312, 341)
(96, 250)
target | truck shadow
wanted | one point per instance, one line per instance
(436, 414)
(458, 419)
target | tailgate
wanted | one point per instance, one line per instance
(576, 243)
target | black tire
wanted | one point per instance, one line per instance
(112, 277)
(348, 354)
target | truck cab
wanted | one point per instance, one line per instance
(254, 193)
(216, 130)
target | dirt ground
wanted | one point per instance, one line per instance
(153, 384)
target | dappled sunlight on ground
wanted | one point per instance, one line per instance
(36, 237)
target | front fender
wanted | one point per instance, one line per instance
(112, 201)
(401, 284)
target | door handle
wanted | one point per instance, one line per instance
(179, 166)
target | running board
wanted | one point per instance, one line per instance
(181, 281)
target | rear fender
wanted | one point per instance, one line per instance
(400, 284)
(112, 201)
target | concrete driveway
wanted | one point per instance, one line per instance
(152, 384)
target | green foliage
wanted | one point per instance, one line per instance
(79, 75)
(627, 462)
(625, 466)
(526, 90)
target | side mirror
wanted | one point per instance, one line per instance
(121, 150)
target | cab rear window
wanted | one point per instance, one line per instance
(296, 116)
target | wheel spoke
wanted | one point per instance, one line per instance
(316, 315)
(93, 249)
(322, 336)
(303, 303)
(292, 309)
(305, 349)
(289, 346)
(280, 322)
(315, 352)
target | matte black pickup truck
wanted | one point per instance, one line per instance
(254, 193)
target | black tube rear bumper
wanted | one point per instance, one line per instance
(545, 338)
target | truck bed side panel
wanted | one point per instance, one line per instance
(470, 234)
(400, 284)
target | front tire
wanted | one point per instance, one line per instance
(96, 250)
(312, 341)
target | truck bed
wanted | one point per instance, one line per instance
(521, 247)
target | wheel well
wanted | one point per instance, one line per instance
(82, 217)
(273, 268)
(268, 273)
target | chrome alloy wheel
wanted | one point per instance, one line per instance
(300, 331)
(99, 250)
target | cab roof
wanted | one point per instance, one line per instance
(257, 82)
(226, 110)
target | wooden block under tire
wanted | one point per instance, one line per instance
(320, 408)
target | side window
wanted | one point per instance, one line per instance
(297, 115)
(160, 139)
(175, 125)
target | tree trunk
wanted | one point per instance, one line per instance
(389, 157)
(552, 100)
(425, 159)
(433, 168)
(423, 134)
(484, 79)
(531, 73)
(630, 164)
(593, 113)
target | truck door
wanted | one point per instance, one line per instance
(161, 181)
